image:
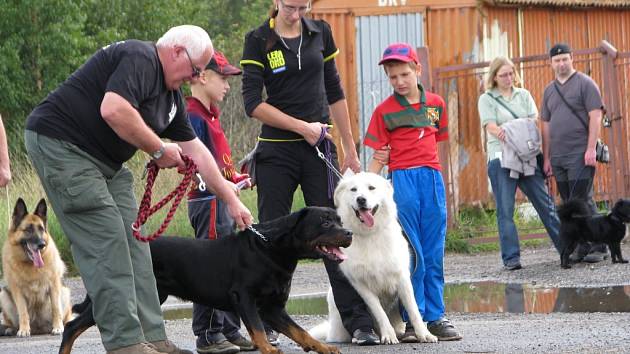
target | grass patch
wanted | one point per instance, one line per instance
(480, 222)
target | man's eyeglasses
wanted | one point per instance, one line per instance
(290, 10)
(195, 70)
(504, 75)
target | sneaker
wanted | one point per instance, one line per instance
(140, 348)
(597, 252)
(513, 266)
(444, 330)
(166, 346)
(273, 338)
(244, 344)
(595, 257)
(409, 336)
(580, 252)
(361, 337)
(222, 346)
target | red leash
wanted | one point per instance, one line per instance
(145, 210)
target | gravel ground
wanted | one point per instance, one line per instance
(541, 267)
(483, 332)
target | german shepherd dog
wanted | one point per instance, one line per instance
(248, 272)
(34, 301)
(579, 224)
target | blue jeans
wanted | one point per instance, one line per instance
(504, 190)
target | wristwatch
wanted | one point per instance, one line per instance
(156, 155)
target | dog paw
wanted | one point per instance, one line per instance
(57, 331)
(331, 349)
(426, 337)
(24, 332)
(388, 336)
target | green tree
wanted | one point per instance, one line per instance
(41, 42)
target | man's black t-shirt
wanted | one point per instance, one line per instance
(130, 69)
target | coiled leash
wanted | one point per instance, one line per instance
(145, 210)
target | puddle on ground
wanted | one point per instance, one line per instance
(491, 297)
(522, 298)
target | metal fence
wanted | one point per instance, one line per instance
(461, 85)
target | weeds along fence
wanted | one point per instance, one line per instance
(461, 86)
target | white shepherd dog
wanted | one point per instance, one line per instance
(377, 263)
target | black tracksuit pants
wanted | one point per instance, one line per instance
(280, 168)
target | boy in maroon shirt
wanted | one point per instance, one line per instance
(217, 331)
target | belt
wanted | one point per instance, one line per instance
(279, 140)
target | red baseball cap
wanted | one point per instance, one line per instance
(220, 64)
(399, 52)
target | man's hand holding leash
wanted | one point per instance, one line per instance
(215, 181)
(171, 156)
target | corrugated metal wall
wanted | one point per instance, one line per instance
(462, 32)
(541, 29)
(453, 38)
(374, 33)
(452, 34)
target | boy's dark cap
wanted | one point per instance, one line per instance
(220, 64)
(560, 48)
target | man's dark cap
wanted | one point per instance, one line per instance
(560, 48)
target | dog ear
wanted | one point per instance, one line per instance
(337, 195)
(294, 218)
(41, 210)
(348, 173)
(19, 212)
(390, 187)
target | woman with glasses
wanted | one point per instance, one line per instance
(503, 103)
(292, 58)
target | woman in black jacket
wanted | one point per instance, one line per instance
(292, 58)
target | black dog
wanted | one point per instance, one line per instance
(246, 272)
(579, 224)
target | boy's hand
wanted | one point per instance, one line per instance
(382, 155)
(351, 162)
(242, 181)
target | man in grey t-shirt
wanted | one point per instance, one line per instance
(568, 145)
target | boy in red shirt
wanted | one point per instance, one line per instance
(217, 331)
(410, 122)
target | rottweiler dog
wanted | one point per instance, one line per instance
(248, 272)
(578, 224)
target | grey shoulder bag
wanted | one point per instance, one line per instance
(601, 150)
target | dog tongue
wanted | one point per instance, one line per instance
(367, 217)
(337, 252)
(38, 262)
